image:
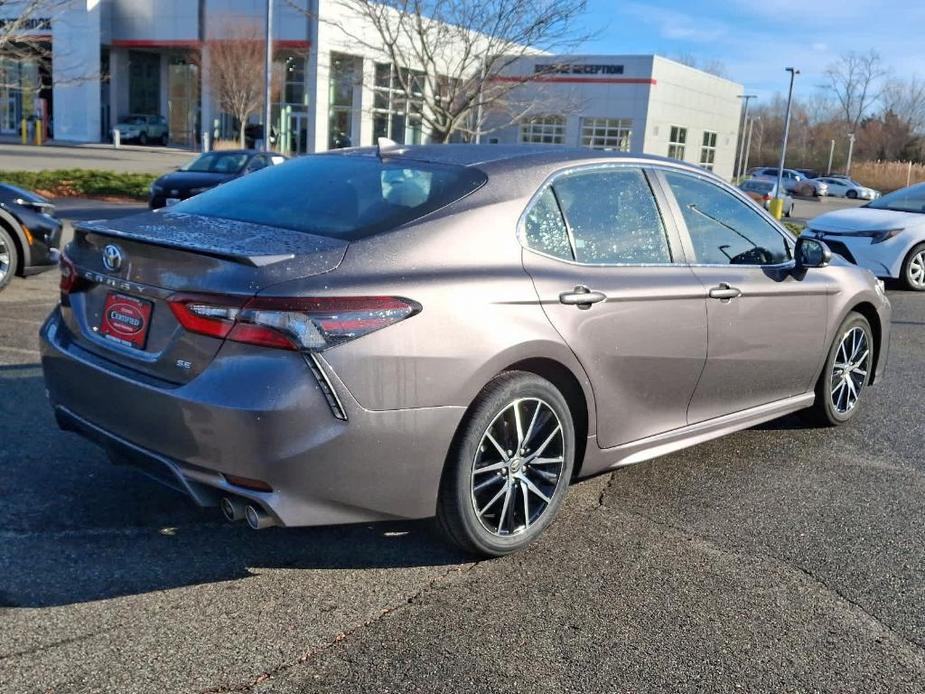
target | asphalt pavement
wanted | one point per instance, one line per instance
(781, 558)
(128, 158)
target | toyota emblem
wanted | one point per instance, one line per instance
(112, 257)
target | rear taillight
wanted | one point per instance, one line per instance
(69, 276)
(766, 197)
(313, 324)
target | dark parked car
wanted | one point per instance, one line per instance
(449, 330)
(29, 233)
(207, 171)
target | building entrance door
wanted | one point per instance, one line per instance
(183, 103)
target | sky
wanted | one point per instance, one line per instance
(757, 39)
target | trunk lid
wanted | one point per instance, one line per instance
(148, 258)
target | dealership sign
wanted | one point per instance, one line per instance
(576, 69)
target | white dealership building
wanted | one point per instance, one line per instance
(111, 58)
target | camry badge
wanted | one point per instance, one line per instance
(112, 257)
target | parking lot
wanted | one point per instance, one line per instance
(782, 558)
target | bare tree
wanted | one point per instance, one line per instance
(905, 98)
(24, 29)
(454, 55)
(235, 71)
(711, 65)
(854, 81)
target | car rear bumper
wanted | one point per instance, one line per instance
(259, 414)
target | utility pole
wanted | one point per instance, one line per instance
(828, 171)
(778, 203)
(748, 144)
(268, 80)
(747, 97)
(850, 153)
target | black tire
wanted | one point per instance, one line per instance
(852, 194)
(824, 411)
(789, 210)
(163, 140)
(143, 139)
(9, 258)
(491, 411)
(909, 281)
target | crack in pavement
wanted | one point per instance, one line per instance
(918, 649)
(340, 636)
(60, 642)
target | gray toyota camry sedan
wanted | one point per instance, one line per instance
(453, 331)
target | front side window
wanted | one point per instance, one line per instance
(607, 133)
(725, 230)
(708, 150)
(611, 214)
(543, 130)
(677, 142)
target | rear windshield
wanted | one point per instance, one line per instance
(757, 186)
(218, 162)
(340, 196)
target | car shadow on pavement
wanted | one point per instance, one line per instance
(75, 528)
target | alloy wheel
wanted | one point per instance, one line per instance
(849, 372)
(5, 260)
(517, 467)
(916, 270)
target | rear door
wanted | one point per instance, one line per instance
(766, 323)
(609, 273)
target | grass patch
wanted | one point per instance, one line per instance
(795, 228)
(82, 183)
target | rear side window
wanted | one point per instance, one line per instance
(611, 215)
(338, 196)
(724, 230)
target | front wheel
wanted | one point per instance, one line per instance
(143, 139)
(8, 258)
(510, 466)
(914, 269)
(846, 373)
(852, 194)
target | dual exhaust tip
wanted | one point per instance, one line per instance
(236, 509)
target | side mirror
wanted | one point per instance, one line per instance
(811, 253)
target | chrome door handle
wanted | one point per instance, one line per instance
(725, 291)
(582, 297)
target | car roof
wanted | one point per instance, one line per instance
(487, 156)
(236, 151)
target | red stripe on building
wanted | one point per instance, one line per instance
(192, 43)
(577, 80)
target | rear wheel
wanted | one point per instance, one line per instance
(510, 466)
(914, 269)
(8, 258)
(846, 373)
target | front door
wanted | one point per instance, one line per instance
(766, 323)
(604, 266)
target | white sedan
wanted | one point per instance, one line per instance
(848, 188)
(887, 235)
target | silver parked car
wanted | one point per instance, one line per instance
(449, 330)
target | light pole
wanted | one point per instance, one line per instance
(268, 80)
(747, 97)
(748, 144)
(850, 153)
(831, 155)
(777, 205)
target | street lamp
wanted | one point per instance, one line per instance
(268, 77)
(748, 145)
(850, 153)
(777, 205)
(747, 97)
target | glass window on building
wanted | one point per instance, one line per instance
(607, 133)
(20, 85)
(294, 80)
(708, 150)
(343, 79)
(144, 83)
(546, 130)
(677, 142)
(398, 104)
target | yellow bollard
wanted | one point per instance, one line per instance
(24, 131)
(38, 132)
(776, 208)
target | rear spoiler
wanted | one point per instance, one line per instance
(241, 242)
